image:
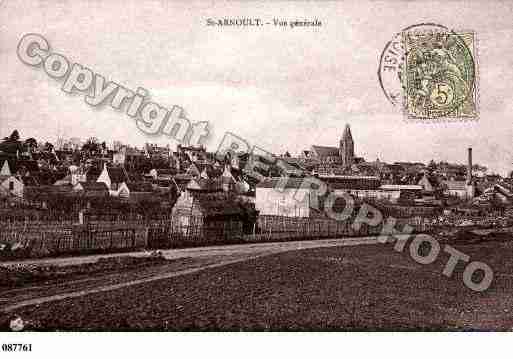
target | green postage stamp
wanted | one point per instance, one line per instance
(439, 75)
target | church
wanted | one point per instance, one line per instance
(343, 155)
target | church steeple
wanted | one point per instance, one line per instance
(346, 149)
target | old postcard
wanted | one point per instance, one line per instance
(255, 166)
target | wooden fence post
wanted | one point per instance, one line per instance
(58, 244)
(42, 241)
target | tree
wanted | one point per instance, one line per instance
(48, 147)
(91, 146)
(480, 168)
(15, 136)
(12, 144)
(431, 166)
(30, 144)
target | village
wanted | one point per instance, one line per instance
(72, 195)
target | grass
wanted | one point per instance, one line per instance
(340, 288)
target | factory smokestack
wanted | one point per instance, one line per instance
(469, 166)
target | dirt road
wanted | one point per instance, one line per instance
(254, 248)
(207, 258)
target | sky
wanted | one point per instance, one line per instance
(282, 89)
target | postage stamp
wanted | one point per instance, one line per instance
(431, 73)
(439, 74)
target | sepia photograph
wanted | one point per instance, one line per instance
(254, 166)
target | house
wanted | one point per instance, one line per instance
(358, 186)
(228, 182)
(459, 189)
(205, 185)
(91, 189)
(370, 188)
(497, 193)
(74, 176)
(278, 196)
(193, 153)
(129, 157)
(306, 154)
(209, 213)
(63, 181)
(180, 181)
(43, 195)
(451, 172)
(64, 155)
(290, 166)
(161, 178)
(394, 192)
(193, 170)
(425, 183)
(119, 157)
(29, 180)
(204, 173)
(115, 179)
(135, 187)
(233, 183)
(141, 191)
(123, 191)
(24, 166)
(161, 173)
(6, 169)
(11, 184)
(205, 170)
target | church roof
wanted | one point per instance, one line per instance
(347, 133)
(325, 151)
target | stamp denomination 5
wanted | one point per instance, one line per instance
(430, 72)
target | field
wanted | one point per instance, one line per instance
(368, 287)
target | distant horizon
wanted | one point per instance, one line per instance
(111, 143)
(282, 90)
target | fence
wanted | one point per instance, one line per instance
(52, 239)
(23, 242)
(18, 216)
(280, 228)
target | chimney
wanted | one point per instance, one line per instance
(469, 166)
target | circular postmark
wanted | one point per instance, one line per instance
(430, 72)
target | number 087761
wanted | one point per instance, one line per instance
(16, 347)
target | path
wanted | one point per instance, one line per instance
(230, 253)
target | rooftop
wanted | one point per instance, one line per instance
(325, 151)
(283, 182)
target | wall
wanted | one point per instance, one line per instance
(17, 186)
(272, 202)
